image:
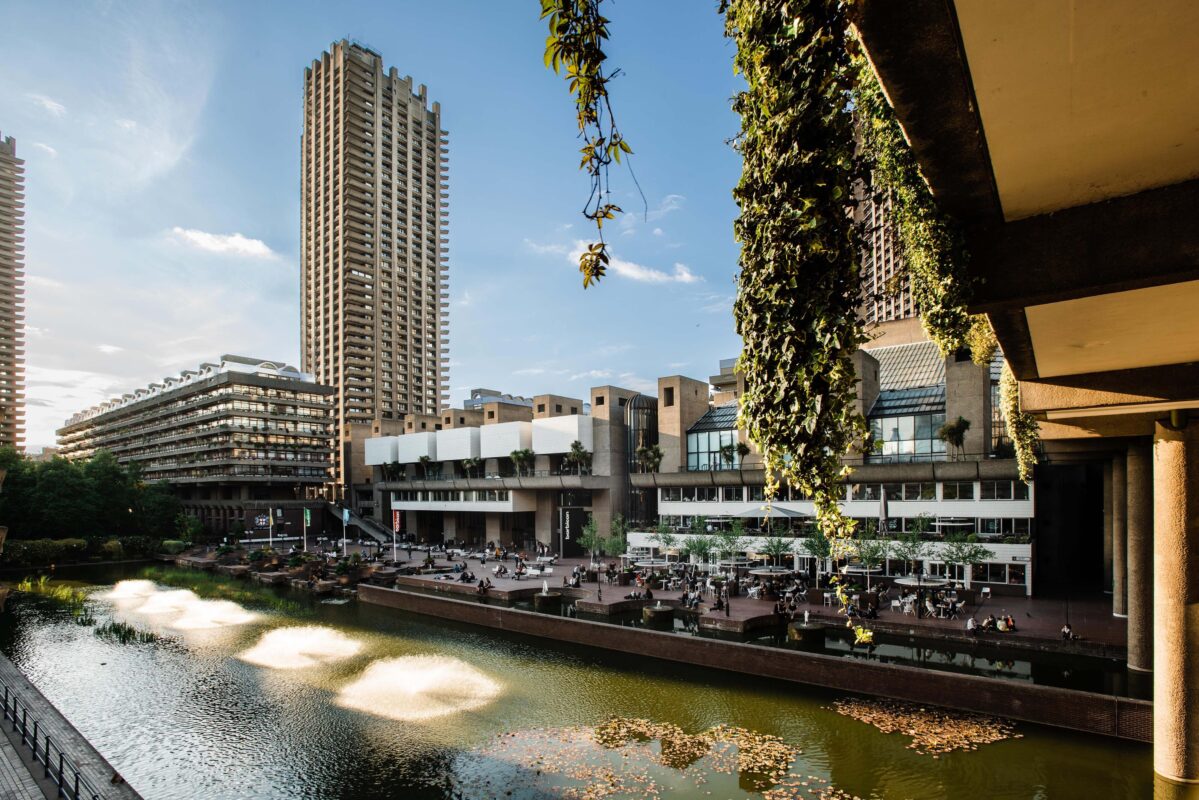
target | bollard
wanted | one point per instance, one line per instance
(47, 775)
(61, 779)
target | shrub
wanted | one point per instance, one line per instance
(42, 552)
(112, 550)
(256, 556)
(140, 546)
(172, 547)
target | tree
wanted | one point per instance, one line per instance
(818, 547)
(954, 434)
(872, 552)
(590, 539)
(469, 465)
(578, 457)
(649, 458)
(742, 451)
(964, 550)
(664, 538)
(619, 535)
(729, 543)
(911, 547)
(776, 547)
(728, 454)
(425, 461)
(521, 459)
(700, 546)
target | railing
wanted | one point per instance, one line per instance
(58, 768)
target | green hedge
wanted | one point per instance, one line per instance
(42, 552)
(172, 547)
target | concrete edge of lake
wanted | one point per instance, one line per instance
(64, 735)
(1086, 712)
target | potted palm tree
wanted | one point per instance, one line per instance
(954, 435)
(649, 458)
(578, 457)
(425, 461)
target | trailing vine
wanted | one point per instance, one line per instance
(934, 254)
(1022, 428)
(577, 32)
(799, 287)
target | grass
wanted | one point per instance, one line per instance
(219, 587)
(122, 633)
(72, 598)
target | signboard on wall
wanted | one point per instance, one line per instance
(262, 522)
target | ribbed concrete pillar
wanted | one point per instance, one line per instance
(1107, 527)
(1176, 602)
(1139, 522)
(1119, 542)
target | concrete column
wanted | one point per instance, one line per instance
(1119, 542)
(1139, 522)
(1176, 601)
(1107, 527)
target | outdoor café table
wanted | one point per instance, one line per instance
(546, 559)
(924, 582)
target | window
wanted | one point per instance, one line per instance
(920, 491)
(894, 491)
(995, 490)
(557, 408)
(757, 494)
(1015, 574)
(1019, 490)
(668, 397)
(574, 409)
(599, 400)
(957, 490)
(867, 491)
(491, 415)
(623, 401)
(711, 450)
(908, 438)
(688, 494)
(461, 420)
(672, 494)
(541, 408)
(731, 494)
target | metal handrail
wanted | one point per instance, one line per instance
(59, 769)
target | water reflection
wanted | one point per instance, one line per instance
(418, 688)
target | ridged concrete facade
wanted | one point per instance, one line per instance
(374, 265)
(12, 296)
(886, 288)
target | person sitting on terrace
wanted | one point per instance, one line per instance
(1068, 633)
(972, 626)
(1011, 623)
(1001, 625)
(989, 623)
(481, 589)
(780, 607)
(501, 571)
(929, 608)
(634, 595)
(649, 593)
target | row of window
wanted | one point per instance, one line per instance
(949, 490)
(983, 527)
(450, 496)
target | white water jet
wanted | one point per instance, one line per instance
(299, 647)
(208, 614)
(168, 602)
(417, 688)
(131, 590)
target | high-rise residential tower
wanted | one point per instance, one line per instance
(886, 290)
(12, 296)
(374, 265)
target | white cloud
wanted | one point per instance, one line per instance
(46, 149)
(635, 382)
(48, 104)
(547, 249)
(225, 244)
(671, 202)
(716, 303)
(591, 373)
(678, 364)
(109, 349)
(658, 232)
(529, 371)
(638, 272)
(465, 300)
(127, 124)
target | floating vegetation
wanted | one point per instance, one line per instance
(219, 587)
(628, 757)
(122, 633)
(71, 598)
(933, 730)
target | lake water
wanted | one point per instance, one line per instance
(355, 701)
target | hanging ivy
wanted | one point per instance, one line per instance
(577, 32)
(934, 254)
(799, 287)
(1021, 427)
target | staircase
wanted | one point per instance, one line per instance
(369, 528)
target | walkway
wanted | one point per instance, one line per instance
(16, 783)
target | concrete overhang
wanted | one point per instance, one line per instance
(1065, 137)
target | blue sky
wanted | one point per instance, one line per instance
(162, 204)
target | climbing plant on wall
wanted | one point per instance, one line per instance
(1022, 428)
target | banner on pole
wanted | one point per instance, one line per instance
(397, 518)
(345, 516)
(307, 516)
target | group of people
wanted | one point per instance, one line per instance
(1003, 623)
(638, 594)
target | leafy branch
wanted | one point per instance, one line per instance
(574, 48)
